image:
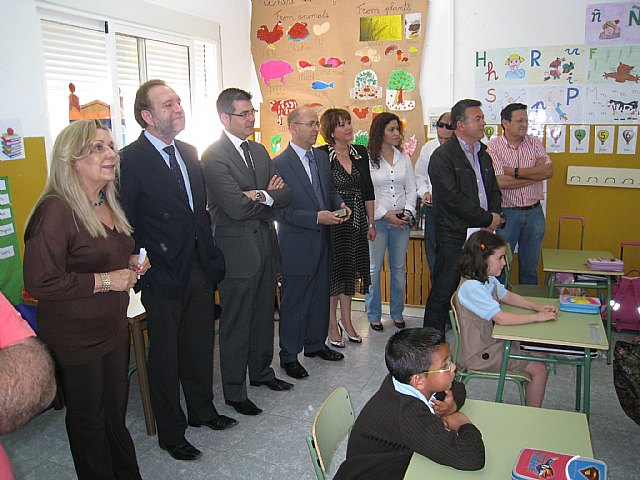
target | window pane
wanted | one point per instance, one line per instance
(75, 55)
(170, 63)
(206, 126)
(128, 82)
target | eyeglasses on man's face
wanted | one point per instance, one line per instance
(447, 368)
(311, 124)
(245, 114)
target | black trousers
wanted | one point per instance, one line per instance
(181, 353)
(96, 395)
(444, 284)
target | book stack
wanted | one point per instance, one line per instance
(535, 464)
(11, 144)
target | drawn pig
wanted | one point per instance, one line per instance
(275, 69)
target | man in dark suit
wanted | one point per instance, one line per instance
(303, 234)
(244, 190)
(163, 194)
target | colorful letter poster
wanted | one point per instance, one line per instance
(569, 84)
(364, 57)
(612, 23)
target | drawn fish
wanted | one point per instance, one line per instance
(318, 85)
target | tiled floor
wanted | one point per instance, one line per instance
(272, 445)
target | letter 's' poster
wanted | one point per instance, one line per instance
(363, 56)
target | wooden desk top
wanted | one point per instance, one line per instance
(569, 329)
(507, 429)
(573, 261)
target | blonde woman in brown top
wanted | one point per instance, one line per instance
(78, 264)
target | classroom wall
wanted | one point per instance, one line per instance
(610, 213)
(455, 29)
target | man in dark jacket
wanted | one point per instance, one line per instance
(466, 195)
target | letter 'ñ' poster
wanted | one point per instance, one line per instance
(360, 55)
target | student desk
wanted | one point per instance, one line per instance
(581, 330)
(507, 429)
(137, 318)
(575, 261)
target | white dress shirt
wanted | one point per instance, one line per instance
(394, 185)
(423, 182)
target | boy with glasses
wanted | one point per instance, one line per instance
(404, 415)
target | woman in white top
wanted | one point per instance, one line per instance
(394, 185)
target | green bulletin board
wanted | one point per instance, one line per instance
(10, 259)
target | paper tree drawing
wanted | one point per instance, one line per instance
(400, 82)
(366, 86)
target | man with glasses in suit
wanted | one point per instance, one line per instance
(303, 234)
(244, 191)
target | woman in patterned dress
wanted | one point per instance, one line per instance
(350, 269)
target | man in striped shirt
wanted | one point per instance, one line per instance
(521, 165)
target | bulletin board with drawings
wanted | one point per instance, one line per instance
(21, 183)
(364, 56)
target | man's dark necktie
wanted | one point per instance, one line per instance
(315, 178)
(249, 160)
(175, 168)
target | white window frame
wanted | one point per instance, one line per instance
(65, 15)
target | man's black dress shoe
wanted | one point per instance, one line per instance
(182, 451)
(274, 384)
(294, 369)
(221, 422)
(245, 407)
(326, 354)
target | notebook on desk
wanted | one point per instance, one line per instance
(534, 464)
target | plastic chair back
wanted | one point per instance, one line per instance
(571, 217)
(333, 422)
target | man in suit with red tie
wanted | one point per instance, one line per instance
(244, 191)
(303, 234)
(163, 194)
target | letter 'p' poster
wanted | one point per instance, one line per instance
(363, 56)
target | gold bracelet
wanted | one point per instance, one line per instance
(106, 282)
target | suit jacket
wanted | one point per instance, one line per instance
(234, 216)
(300, 235)
(162, 219)
(455, 191)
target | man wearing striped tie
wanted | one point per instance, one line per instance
(521, 165)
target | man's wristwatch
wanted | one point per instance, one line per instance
(259, 196)
(372, 225)
(516, 172)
